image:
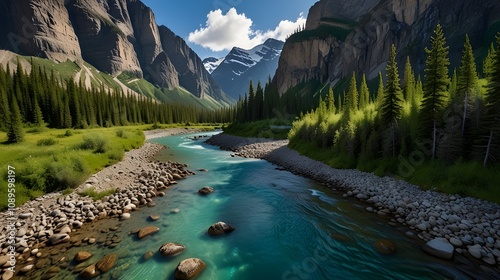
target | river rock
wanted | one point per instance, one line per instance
(439, 247)
(89, 272)
(148, 255)
(125, 216)
(456, 242)
(147, 231)
(220, 228)
(206, 190)
(7, 275)
(82, 256)
(154, 217)
(26, 269)
(4, 260)
(25, 216)
(475, 251)
(171, 249)
(385, 247)
(59, 238)
(106, 263)
(189, 268)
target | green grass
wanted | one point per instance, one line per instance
(261, 129)
(463, 178)
(59, 159)
(91, 192)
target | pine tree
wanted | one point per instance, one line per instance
(251, 103)
(435, 87)
(408, 81)
(393, 100)
(488, 62)
(37, 115)
(467, 79)
(15, 132)
(4, 109)
(364, 93)
(380, 91)
(491, 118)
(352, 95)
(259, 102)
(453, 84)
(330, 99)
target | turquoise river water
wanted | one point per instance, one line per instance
(287, 227)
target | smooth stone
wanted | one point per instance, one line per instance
(82, 256)
(456, 242)
(106, 263)
(26, 268)
(475, 251)
(4, 260)
(189, 268)
(171, 249)
(59, 238)
(422, 227)
(220, 228)
(89, 272)
(147, 231)
(65, 229)
(148, 255)
(154, 217)
(25, 215)
(439, 247)
(206, 190)
(125, 216)
(7, 275)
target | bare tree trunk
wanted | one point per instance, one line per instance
(487, 155)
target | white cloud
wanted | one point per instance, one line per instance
(223, 32)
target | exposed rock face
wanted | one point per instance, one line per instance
(38, 28)
(115, 36)
(406, 23)
(192, 73)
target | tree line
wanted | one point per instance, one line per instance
(42, 99)
(450, 118)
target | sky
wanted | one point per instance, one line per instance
(214, 27)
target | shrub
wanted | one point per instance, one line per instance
(91, 192)
(120, 133)
(115, 155)
(94, 142)
(68, 133)
(46, 142)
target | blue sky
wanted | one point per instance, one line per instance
(213, 27)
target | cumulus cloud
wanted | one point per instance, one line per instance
(223, 32)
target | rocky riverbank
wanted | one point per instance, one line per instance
(53, 218)
(450, 224)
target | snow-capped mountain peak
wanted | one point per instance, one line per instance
(211, 63)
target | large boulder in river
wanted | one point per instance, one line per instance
(206, 190)
(106, 263)
(220, 228)
(171, 249)
(189, 268)
(147, 231)
(439, 247)
(89, 272)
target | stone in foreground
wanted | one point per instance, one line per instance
(206, 190)
(82, 256)
(58, 239)
(220, 228)
(171, 249)
(89, 272)
(106, 263)
(439, 247)
(147, 231)
(189, 268)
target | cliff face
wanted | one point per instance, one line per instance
(113, 35)
(372, 28)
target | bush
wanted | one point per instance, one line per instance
(68, 133)
(120, 133)
(91, 192)
(115, 155)
(46, 142)
(94, 142)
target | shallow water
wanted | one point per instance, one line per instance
(287, 227)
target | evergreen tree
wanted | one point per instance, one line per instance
(393, 100)
(467, 79)
(380, 90)
(490, 148)
(364, 93)
(408, 81)
(453, 83)
(37, 115)
(330, 99)
(15, 132)
(252, 112)
(488, 62)
(259, 102)
(352, 95)
(435, 87)
(4, 109)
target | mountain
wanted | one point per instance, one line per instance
(211, 63)
(118, 37)
(342, 36)
(241, 66)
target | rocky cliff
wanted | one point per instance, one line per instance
(344, 36)
(115, 36)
